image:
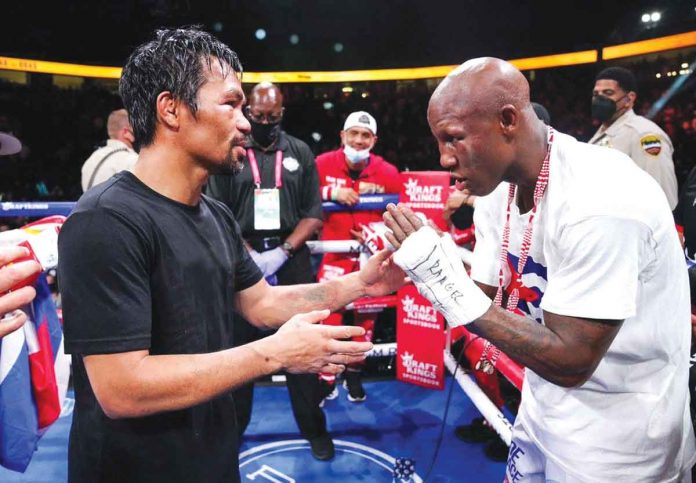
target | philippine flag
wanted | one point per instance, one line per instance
(34, 374)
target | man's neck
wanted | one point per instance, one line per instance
(171, 174)
(532, 158)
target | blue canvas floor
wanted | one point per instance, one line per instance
(398, 420)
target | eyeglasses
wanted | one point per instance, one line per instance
(271, 118)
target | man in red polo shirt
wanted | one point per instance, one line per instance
(344, 175)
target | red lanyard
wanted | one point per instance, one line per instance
(255, 168)
(513, 299)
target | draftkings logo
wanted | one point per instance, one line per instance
(417, 368)
(418, 194)
(416, 311)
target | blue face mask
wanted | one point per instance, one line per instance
(354, 156)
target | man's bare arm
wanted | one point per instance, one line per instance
(269, 307)
(565, 351)
(135, 384)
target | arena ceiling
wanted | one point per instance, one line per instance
(371, 33)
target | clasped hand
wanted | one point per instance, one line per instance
(433, 263)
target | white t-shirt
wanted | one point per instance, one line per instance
(604, 247)
(116, 157)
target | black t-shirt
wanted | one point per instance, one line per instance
(140, 271)
(299, 195)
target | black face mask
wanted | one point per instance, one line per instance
(265, 134)
(603, 108)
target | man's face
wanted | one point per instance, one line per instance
(608, 88)
(358, 138)
(216, 135)
(266, 109)
(471, 148)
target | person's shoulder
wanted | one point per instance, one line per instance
(642, 126)
(327, 157)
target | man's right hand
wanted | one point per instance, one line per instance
(301, 345)
(347, 196)
(10, 276)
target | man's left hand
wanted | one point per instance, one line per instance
(380, 275)
(402, 222)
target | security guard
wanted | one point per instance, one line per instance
(276, 201)
(613, 98)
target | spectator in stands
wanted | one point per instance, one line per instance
(613, 98)
(276, 201)
(118, 154)
(344, 175)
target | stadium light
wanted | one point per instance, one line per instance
(260, 34)
(655, 16)
(294, 39)
(338, 47)
(658, 75)
(645, 18)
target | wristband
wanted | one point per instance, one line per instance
(434, 265)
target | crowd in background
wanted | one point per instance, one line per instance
(61, 127)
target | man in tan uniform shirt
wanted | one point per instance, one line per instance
(613, 98)
(116, 156)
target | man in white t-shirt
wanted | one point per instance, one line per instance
(118, 154)
(602, 322)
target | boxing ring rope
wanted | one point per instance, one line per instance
(369, 304)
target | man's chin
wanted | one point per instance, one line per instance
(230, 167)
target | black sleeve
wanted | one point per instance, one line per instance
(310, 204)
(105, 284)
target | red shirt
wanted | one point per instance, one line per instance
(378, 177)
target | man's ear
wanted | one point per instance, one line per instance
(509, 118)
(168, 110)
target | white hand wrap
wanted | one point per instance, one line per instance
(434, 265)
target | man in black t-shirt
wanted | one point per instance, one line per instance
(151, 271)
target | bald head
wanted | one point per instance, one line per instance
(485, 127)
(266, 93)
(481, 86)
(117, 121)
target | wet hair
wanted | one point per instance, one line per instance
(542, 113)
(624, 77)
(174, 61)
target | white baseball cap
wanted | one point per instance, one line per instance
(361, 119)
(9, 144)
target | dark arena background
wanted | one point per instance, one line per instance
(60, 64)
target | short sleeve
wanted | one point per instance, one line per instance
(310, 206)
(105, 286)
(598, 274)
(485, 265)
(653, 153)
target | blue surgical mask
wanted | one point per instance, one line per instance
(355, 156)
